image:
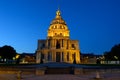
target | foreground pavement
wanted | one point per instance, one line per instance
(103, 76)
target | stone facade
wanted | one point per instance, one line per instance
(58, 47)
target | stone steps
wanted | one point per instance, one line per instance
(59, 71)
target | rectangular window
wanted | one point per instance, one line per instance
(43, 45)
(73, 46)
(42, 58)
(74, 56)
(67, 56)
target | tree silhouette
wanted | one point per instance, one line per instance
(7, 52)
(113, 54)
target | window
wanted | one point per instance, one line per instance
(42, 58)
(42, 46)
(58, 44)
(67, 56)
(73, 56)
(60, 27)
(63, 27)
(60, 34)
(49, 56)
(55, 34)
(73, 46)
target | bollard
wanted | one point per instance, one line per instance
(97, 75)
(19, 75)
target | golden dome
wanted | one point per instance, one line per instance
(58, 27)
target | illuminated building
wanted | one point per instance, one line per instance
(58, 47)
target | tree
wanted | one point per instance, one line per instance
(0, 50)
(7, 52)
(113, 54)
(115, 51)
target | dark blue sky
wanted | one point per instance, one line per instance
(95, 23)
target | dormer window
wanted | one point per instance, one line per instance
(55, 34)
(60, 27)
(60, 34)
(55, 27)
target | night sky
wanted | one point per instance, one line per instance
(95, 23)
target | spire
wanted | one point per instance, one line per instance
(58, 11)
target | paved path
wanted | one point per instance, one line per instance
(114, 76)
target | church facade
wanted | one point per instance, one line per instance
(58, 47)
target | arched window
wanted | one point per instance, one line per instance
(60, 27)
(55, 34)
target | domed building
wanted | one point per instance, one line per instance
(58, 47)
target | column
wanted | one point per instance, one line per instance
(60, 43)
(46, 57)
(52, 43)
(70, 57)
(60, 56)
(77, 57)
(65, 43)
(47, 43)
(38, 57)
(65, 56)
(53, 56)
(55, 43)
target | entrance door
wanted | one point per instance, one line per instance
(57, 56)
